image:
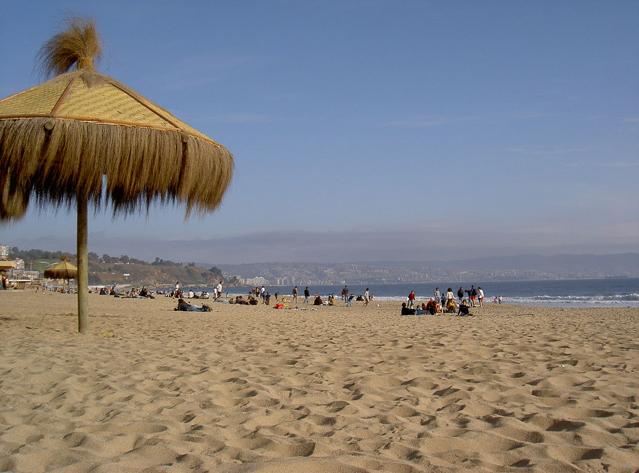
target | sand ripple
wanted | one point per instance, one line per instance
(250, 389)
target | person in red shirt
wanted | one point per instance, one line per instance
(411, 299)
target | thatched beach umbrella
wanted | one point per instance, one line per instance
(6, 265)
(82, 136)
(61, 270)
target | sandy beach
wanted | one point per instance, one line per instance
(362, 389)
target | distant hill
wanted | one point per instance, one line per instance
(107, 269)
(508, 268)
(123, 269)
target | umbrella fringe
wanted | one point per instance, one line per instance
(56, 160)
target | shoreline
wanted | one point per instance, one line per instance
(508, 301)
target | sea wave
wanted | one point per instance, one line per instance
(627, 299)
(621, 299)
(590, 298)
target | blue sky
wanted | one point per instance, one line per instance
(484, 127)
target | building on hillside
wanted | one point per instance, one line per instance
(4, 252)
(23, 275)
(256, 281)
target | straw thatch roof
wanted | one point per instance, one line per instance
(60, 139)
(4, 265)
(61, 270)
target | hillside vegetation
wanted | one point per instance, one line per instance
(123, 269)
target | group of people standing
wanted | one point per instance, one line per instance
(262, 294)
(346, 296)
(475, 296)
(446, 302)
(307, 294)
(178, 292)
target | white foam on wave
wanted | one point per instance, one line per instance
(613, 300)
(630, 299)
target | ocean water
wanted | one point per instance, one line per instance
(622, 292)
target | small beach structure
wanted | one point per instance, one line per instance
(83, 138)
(61, 270)
(7, 265)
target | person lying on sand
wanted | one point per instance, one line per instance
(186, 307)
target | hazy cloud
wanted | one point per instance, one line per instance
(437, 242)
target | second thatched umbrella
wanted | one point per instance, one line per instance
(83, 136)
(61, 270)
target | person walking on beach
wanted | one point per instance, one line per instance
(460, 293)
(262, 293)
(178, 292)
(295, 294)
(218, 289)
(367, 297)
(411, 299)
(439, 299)
(345, 293)
(480, 296)
(307, 294)
(473, 295)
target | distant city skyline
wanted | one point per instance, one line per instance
(371, 130)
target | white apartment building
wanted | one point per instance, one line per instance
(256, 281)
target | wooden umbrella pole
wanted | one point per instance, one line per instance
(83, 265)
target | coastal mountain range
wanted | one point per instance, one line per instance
(504, 268)
(107, 269)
